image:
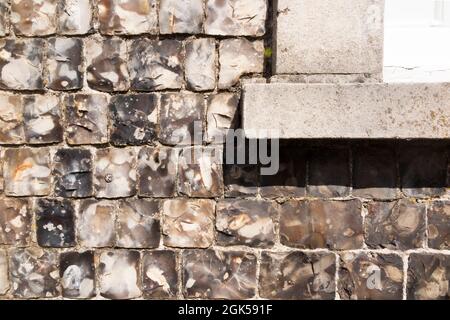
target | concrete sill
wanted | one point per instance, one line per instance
(348, 111)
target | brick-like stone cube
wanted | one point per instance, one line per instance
(42, 118)
(221, 116)
(107, 64)
(297, 275)
(182, 118)
(239, 57)
(315, 224)
(213, 274)
(76, 17)
(200, 64)
(156, 65)
(77, 273)
(373, 276)
(428, 277)
(12, 129)
(15, 222)
(34, 18)
(185, 16)
(188, 223)
(200, 172)
(34, 273)
(119, 275)
(157, 171)
(240, 180)
(246, 222)
(65, 71)
(4, 277)
(27, 172)
(72, 171)
(138, 223)
(21, 65)
(395, 225)
(134, 119)
(128, 16)
(236, 17)
(86, 117)
(115, 173)
(96, 223)
(439, 225)
(159, 272)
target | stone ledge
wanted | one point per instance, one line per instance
(376, 111)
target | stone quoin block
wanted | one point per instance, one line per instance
(200, 64)
(4, 19)
(188, 223)
(96, 223)
(371, 276)
(15, 222)
(86, 117)
(160, 277)
(236, 17)
(221, 116)
(77, 273)
(75, 17)
(34, 18)
(439, 225)
(373, 111)
(128, 16)
(297, 275)
(4, 277)
(329, 36)
(12, 129)
(21, 64)
(213, 274)
(181, 16)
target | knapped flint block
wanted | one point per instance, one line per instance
(119, 275)
(96, 223)
(15, 222)
(4, 19)
(160, 277)
(222, 115)
(185, 16)
(373, 276)
(200, 64)
(439, 225)
(213, 274)
(77, 274)
(188, 223)
(75, 17)
(12, 129)
(55, 223)
(395, 225)
(297, 276)
(39, 279)
(4, 277)
(240, 180)
(34, 18)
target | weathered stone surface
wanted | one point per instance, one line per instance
(157, 171)
(15, 222)
(428, 277)
(42, 118)
(329, 173)
(4, 19)
(77, 273)
(181, 16)
(134, 119)
(119, 274)
(322, 224)
(72, 171)
(106, 64)
(55, 223)
(182, 118)
(246, 222)
(222, 115)
(188, 223)
(76, 17)
(160, 278)
(402, 110)
(156, 65)
(95, 223)
(65, 64)
(212, 274)
(34, 273)
(11, 119)
(86, 116)
(236, 17)
(297, 275)
(21, 64)
(439, 225)
(423, 169)
(375, 173)
(329, 36)
(34, 18)
(138, 223)
(115, 173)
(239, 57)
(27, 172)
(327, 78)
(201, 64)
(240, 180)
(200, 172)
(128, 16)
(4, 278)
(395, 225)
(372, 276)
